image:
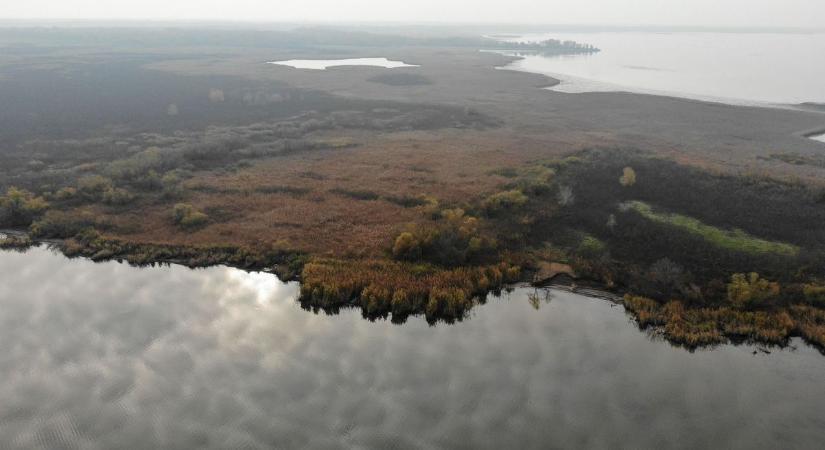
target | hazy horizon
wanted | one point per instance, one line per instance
(606, 13)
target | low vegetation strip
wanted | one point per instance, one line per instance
(382, 288)
(695, 327)
(736, 240)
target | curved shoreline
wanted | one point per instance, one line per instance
(640, 314)
(557, 79)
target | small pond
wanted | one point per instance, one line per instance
(323, 64)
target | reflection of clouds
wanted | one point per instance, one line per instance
(105, 355)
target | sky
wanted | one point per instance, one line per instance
(734, 13)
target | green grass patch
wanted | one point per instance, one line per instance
(736, 239)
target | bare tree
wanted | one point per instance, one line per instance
(611, 222)
(566, 196)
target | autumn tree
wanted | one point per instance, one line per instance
(20, 207)
(628, 177)
(186, 216)
(748, 290)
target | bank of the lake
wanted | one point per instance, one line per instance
(754, 69)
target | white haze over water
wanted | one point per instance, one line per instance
(738, 68)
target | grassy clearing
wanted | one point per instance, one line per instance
(736, 240)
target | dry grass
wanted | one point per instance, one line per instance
(296, 199)
(381, 287)
(697, 327)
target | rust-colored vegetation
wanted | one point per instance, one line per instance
(381, 287)
(694, 327)
(399, 225)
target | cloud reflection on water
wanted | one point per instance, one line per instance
(107, 355)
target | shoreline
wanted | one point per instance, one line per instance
(580, 286)
(557, 79)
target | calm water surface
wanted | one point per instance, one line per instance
(323, 64)
(738, 68)
(111, 356)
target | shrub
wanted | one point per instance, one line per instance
(149, 181)
(92, 187)
(530, 180)
(117, 196)
(66, 193)
(171, 183)
(592, 247)
(748, 291)
(186, 216)
(20, 207)
(406, 247)
(453, 241)
(503, 201)
(628, 177)
(814, 294)
(61, 224)
(15, 242)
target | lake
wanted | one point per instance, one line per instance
(323, 64)
(107, 355)
(737, 68)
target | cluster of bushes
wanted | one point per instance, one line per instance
(628, 177)
(151, 170)
(531, 179)
(19, 207)
(451, 241)
(97, 188)
(56, 224)
(815, 294)
(381, 288)
(15, 242)
(695, 327)
(188, 217)
(755, 310)
(142, 165)
(506, 201)
(749, 291)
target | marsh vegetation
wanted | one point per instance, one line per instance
(396, 195)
